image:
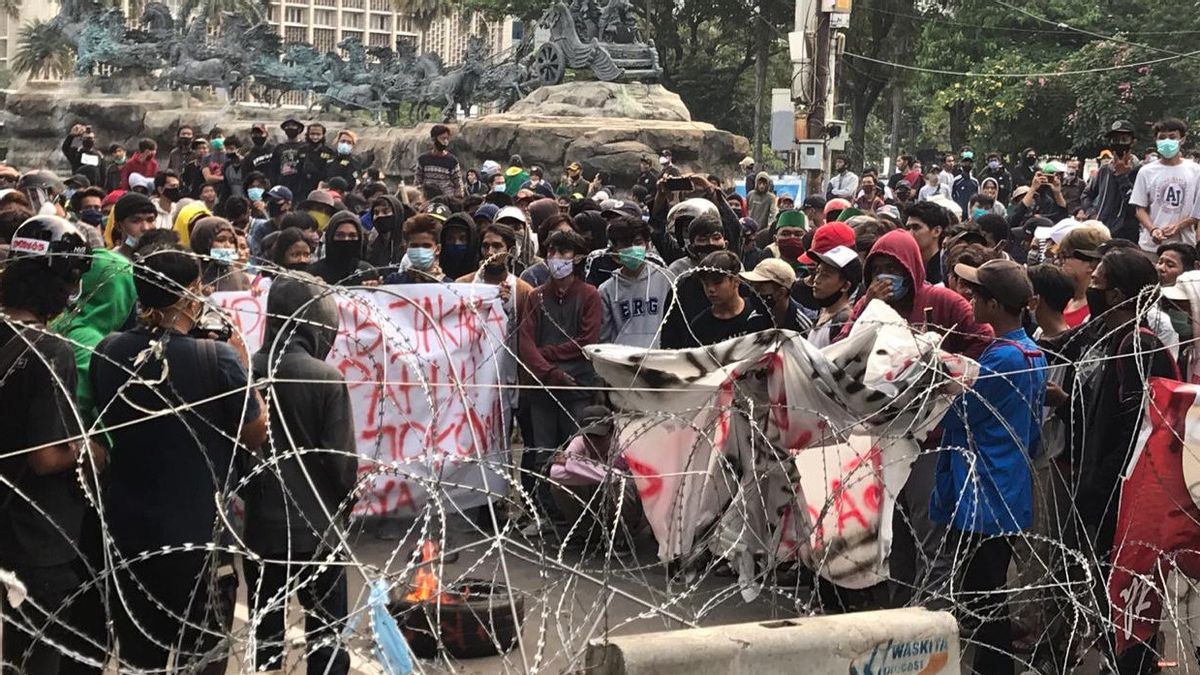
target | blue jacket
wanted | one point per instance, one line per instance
(983, 482)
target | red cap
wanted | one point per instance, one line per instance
(111, 198)
(828, 237)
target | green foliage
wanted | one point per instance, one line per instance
(423, 11)
(42, 51)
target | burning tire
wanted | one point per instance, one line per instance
(476, 618)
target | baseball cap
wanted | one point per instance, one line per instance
(617, 207)
(836, 205)
(1079, 241)
(574, 166)
(828, 237)
(138, 180)
(438, 210)
(280, 193)
(967, 156)
(78, 181)
(849, 213)
(786, 196)
(486, 212)
(814, 202)
(1020, 192)
(319, 197)
(258, 126)
(1005, 280)
(838, 256)
(510, 213)
(1187, 283)
(774, 270)
(291, 122)
(1121, 127)
(791, 218)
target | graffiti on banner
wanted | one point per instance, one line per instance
(422, 363)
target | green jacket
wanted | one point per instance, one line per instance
(107, 297)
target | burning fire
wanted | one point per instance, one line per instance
(426, 584)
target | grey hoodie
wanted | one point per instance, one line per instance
(634, 307)
(304, 477)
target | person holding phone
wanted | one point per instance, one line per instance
(1044, 198)
(1106, 197)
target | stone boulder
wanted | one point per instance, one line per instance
(605, 99)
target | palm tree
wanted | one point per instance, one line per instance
(11, 7)
(42, 51)
(422, 11)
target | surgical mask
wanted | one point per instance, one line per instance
(898, 282)
(993, 164)
(223, 256)
(217, 144)
(1167, 147)
(69, 192)
(131, 241)
(255, 194)
(977, 213)
(420, 258)
(561, 268)
(119, 160)
(498, 188)
(632, 257)
(93, 217)
(344, 148)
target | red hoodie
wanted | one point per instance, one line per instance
(135, 164)
(950, 311)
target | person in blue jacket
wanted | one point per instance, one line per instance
(983, 486)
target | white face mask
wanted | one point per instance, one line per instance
(560, 268)
(664, 161)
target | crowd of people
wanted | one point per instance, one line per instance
(1050, 279)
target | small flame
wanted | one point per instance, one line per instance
(425, 583)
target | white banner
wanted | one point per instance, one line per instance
(422, 362)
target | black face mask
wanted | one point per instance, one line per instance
(698, 251)
(1030, 160)
(439, 146)
(803, 294)
(172, 193)
(1120, 148)
(184, 141)
(1097, 301)
(291, 134)
(345, 252)
(258, 140)
(827, 301)
(296, 267)
(384, 224)
(88, 143)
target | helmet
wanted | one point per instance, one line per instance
(690, 209)
(54, 240)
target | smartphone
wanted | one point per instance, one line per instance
(679, 185)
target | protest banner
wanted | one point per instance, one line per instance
(422, 363)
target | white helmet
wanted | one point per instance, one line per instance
(690, 209)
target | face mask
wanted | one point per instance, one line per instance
(977, 213)
(439, 146)
(321, 218)
(993, 164)
(184, 141)
(344, 148)
(498, 188)
(1167, 147)
(420, 258)
(69, 192)
(1031, 159)
(344, 251)
(829, 301)
(561, 268)
(119, 160)
(88, 143)
(383, 224)
(803, 294)
(259, 141)
(496, 264)
(223, 256)
(899, 285)
(255, 194)
(454, 252)
(632, 257)
(217, 144)
(663, 161)
(1097, 301)
(291, 134)
(790, 249)
(93, 217)
(131, 241)
(296, 266)
(1120, 148)
(698, 251)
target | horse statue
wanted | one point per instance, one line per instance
(189, 71)
(457, 87)
(157, 21)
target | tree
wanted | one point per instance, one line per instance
(11, 7)
(42, 51)
(214, 10)
(422, 11)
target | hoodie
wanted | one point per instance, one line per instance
(386, 250)
(762, 206)
(219, 277)
(458, 263)
(949, 311)
(349, 271)
(633, 308)
(188, 214)
(106, 301)
(301, 490)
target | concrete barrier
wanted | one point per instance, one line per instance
(893, 642)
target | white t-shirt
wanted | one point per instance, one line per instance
(1169, 193)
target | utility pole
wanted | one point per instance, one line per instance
(818, 111)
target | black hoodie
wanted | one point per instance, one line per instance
(387, 248)
(302, 484)
(348, 271)
(456, 265)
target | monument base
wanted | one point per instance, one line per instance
(583, 128)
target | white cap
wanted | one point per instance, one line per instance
(510, 212)
(1057, 231)
(600, 196)
(1187, 284)
(138, 180)
(947, 203)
